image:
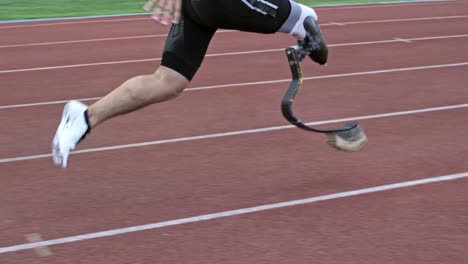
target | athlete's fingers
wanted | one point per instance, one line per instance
(177, 10)
(167, 12)
(159, 10)
(149, 5)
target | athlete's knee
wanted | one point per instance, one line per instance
(170, 83)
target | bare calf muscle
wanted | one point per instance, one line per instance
(138, 92)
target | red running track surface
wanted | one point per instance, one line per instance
(385, 59)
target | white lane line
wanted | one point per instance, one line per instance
(93, 40)
(50, 102)
(219, 86)
(402, 40)
(236, 133)
(428, 67)
(78, 65)
(333, 24)
(242, 211)
(396, 20)
(129, 61)
(395, 40)
(72, 19)
(223, 31)
(80, 41)
(386, 4)
(78, 22)
(222, 54)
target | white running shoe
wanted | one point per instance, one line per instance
(73, 127)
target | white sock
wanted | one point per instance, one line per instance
(294, 25)
(298, 30)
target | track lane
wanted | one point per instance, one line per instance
(193, 113)
(145, 191)
(372, 227)
(89, 82)
(146, 48)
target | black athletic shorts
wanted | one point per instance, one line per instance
(188, 40)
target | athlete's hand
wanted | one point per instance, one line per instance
(165, 11)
